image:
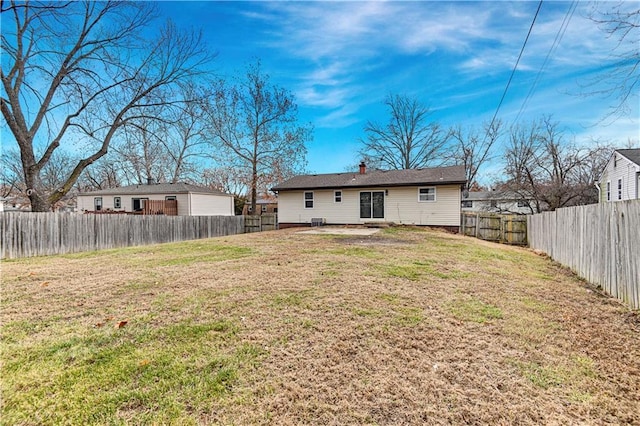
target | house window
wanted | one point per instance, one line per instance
(523, 203)
(427, 194)
(372, 205)
(608, 191)
(117, 202)
(620, 189)
(308, 200)
(494, 204)
(337, 196)
(467, 204)
(275, 210)
(137, 204)
(170, 198)
(97, 204)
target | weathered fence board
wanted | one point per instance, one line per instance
(509, 229)
(259, 223)
(38, 234)
(600, 242)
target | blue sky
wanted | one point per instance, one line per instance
(340, 59)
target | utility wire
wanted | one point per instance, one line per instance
(554, 47)
(513, 72)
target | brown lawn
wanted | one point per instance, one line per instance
(403, 327)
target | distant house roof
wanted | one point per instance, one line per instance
(158, 188)
(494, 195)
(377, 178)
(263, 201)
(631, 154)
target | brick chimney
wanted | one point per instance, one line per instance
(363, 168)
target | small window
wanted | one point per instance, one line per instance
(427, 194)
(170, 198)
(308, 200)
(117, 202)
(494, 203)
(275, 210)
(337, 196)
(97, 203)
(620, 189)
(523, 203)
(467, 204)
(608, 191)
(137, 204)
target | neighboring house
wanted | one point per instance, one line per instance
(163, 198)
(13, 204)
(264, 205)
(416, 197)
(505, 202)
(620, 179)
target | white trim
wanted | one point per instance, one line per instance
(619, 188)
(427, 201)
(305, 199)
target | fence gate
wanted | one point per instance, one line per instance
(259, 223)
(510, 229)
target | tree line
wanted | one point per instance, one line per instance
(95, 98)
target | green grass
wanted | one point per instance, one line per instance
(474, 310)
(139, 373)
(284, 328)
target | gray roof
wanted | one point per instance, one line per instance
(631, 154)
(377, 178)
(158, 188)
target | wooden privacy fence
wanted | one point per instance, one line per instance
(38, 234)
(259, 223)
(600, 242)
(509, 229)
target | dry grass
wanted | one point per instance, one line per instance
(404, 327)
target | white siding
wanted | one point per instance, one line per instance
(620, 167)
(211, 205)
(188, 204)
(401, 206)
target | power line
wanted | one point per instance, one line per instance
(514, 70)
(552, 49)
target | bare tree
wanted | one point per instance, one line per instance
(407, 141)
(473, 149)
(554, 173)
(185, 138)
(620, 83)
(254, 126)
(103, 174)
(77, 73)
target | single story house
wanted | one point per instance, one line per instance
(504, 202)
(173, 199)
(620, 179)
(413, 197)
